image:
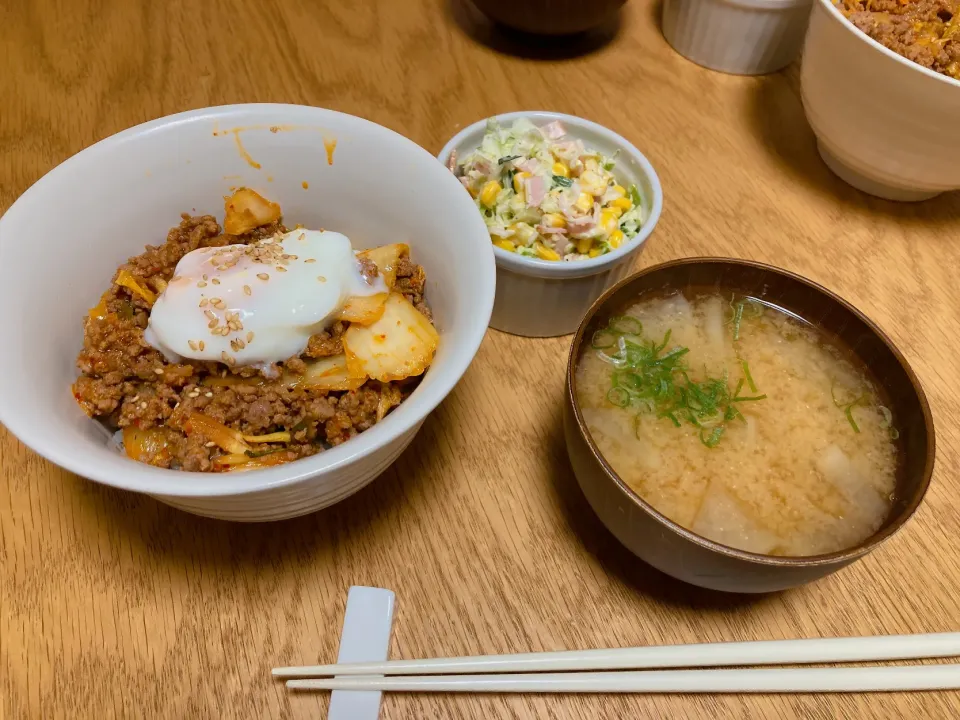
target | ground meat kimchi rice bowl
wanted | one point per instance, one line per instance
(222, 346)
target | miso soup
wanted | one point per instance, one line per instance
(740, 422)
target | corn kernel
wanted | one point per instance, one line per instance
(584, 202)
(596, 252)
(608, 220)
(583, 245)
(592, 183)
(617, 212)
(488, 196)
(505, 245)
(523, 234)
(615, 239)
(554, 220)
(622, 202)
(545, 253)
(619, 190)
(560, 169)
(518, 181)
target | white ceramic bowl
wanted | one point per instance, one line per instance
(539, 298)
(884, 124)
(744, 37)
(61, 242)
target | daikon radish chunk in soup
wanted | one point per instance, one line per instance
(740, 422)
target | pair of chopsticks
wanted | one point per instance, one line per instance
(641, 669)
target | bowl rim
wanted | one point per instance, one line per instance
(831, 8)
(156, 481)
(577, 268)
(841, 556)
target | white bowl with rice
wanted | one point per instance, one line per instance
(545, 295)
(884, 124)
(103, 205)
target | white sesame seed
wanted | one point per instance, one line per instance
(202, 345)
(321, 278)
(250, 336)
(201, 284)
(158, 371)
(210, 444)
(210, 315)
(204, 302)
(263, 276)
(310, 260)
(247, 290)
(215, 281)
(143, 406)
(280, 268)
(134, 398)
(193, 345)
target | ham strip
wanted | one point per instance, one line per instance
(535, 191)
(554, 130)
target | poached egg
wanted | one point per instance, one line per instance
(256, 304)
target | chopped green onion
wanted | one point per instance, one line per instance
(625, 324)
(672, 418)
(635, 196)
(603, 339)
(737, 317)
(749, 378)
(508, 158)
(713, 439)
(618, 396)
(849, 413)
(887, 416)
(653, 380)
(561, 181)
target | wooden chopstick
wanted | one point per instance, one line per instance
(778, 680)
(763, 652)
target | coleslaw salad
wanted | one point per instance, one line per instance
(544, 194)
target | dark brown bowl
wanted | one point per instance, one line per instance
(550, 17)
(675, 550)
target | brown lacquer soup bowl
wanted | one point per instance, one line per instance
(692, 558)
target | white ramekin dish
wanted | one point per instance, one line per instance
(743, 37)
(539, 298)
(61, 242)
(884, 124)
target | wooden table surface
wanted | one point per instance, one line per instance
(113, 605)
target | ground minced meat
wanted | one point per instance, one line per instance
(125, 383)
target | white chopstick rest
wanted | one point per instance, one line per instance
(778, 680)
(367, 623)
(763, 652)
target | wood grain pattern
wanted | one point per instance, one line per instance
(113, 605)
